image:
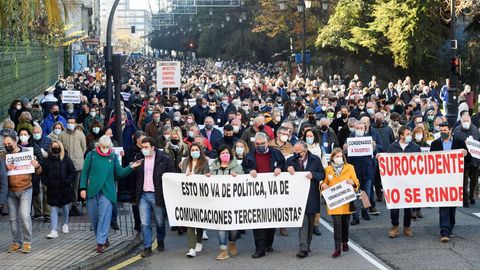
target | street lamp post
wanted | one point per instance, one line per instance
(452, 104)
(301, 8)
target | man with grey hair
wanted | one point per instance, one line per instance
(304, 160)
(327, 138)
(470, 178)
(258, 126)
(212, 134)
(263, 159)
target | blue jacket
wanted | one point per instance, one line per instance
(127, 134)
(48, 123)
(44, 142)
(277, 161)
(214, 136)
(314, 165)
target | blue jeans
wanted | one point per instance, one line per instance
(20, 206)
(365, 185)
(99, 210)
(447, 220)
(54, 215)
(225, 236)
(147, 204)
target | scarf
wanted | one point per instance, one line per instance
(337, 168)
(99, 151)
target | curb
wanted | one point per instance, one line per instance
(111, 255)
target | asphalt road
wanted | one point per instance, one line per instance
(376, 250)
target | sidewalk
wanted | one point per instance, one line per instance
(75, 250)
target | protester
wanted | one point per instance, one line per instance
(58, 176)
(97, 186)
(149, 192)
(448, 142)
(226, 164)
(304, 160)
(19, 199)
(338, 171)
(263, 159)
(196, 163)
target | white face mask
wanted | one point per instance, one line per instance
(466, 125)
(57, 131)
(418, 137)
(105, 150)
(338, 160)
(239, 150)
(283, 138)
(359, 133)
(236, 129)
(24, 138)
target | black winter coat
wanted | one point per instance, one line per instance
(163, 164)
(58, 176)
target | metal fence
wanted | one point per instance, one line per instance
(27, 74)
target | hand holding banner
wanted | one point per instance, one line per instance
(473, 147)
(224, 202)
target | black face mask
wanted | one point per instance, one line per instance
(228, 138)
(56, 150)
(297, 155)
(256, 108)
(344, 116)
(174, 141)
(55, 113)
(311, 118)
(324, 128)
(9, 148)
(261, 127)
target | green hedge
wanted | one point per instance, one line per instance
(35, 69)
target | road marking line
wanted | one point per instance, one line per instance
(362, 252)
(477, 214)
(132, 260)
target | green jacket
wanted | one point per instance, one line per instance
(233, 166)
(98, 175)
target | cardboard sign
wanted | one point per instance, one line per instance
(473, 147)
(338, 195)
(71, 97)
(22, 162)
(125, 96)
(168, 74)
(360, 146)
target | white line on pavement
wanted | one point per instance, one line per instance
(477, 214)
(364, 253)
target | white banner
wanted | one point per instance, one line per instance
(360, 146)
(118, 151)
(71, 97)
(414, 180)
(125, 96)
(168, 74)
(473, 147)
(425, 149)
(224, 202)
(22, 162)
(339, 194)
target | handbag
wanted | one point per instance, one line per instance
(362, 201)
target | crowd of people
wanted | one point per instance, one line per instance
(239, 118)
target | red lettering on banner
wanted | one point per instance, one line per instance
(381, 165)
(460, 162)
(444, 194)
(396, 164)
(392, 195)
(416, 195)
(408, 195)
(429, 194)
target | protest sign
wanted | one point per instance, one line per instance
(473, 147)
(118, 151)
(168, 74)
(71, 97)
(414, 180)
(338, 195)
(360, 146)
(125, 96)
(425, 149)
(22, 162)
(224, 202)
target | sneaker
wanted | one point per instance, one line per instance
(222, 255)
(52, 234)
(26, 247)
(316, 230)
(204, 235)
(283, 232)
(114, 226)
(336, 254)
(146, 252)
(232, 248)
(46, 218)
(302, 254)
(37, 217)
(408, 231)
(345, 247)
(393, 232)
(444, 239)
(198, 247)
(373, 211)
(161, 246)
(65, 228)
(191, 253)
(14, 247)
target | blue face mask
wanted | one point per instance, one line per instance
(309, 140)
(195, 154)
(262, 149)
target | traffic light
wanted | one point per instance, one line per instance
(133, 29)
(455, 66)
(191, 45)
